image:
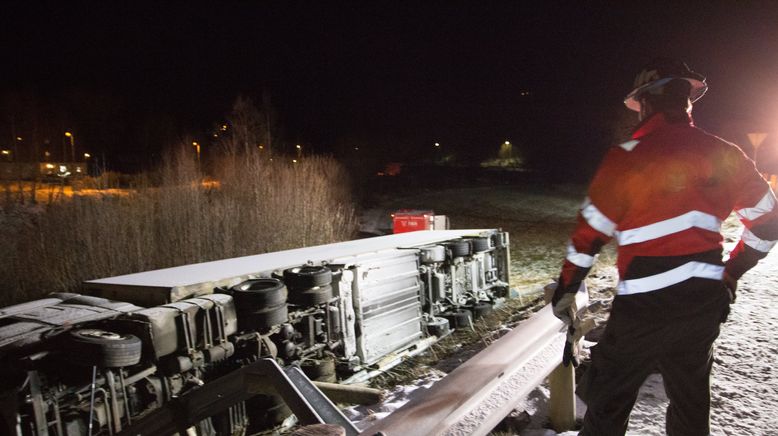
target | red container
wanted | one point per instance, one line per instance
(407, 220)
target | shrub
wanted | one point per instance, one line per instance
(256, 206)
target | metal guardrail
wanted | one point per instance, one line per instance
(477, 395)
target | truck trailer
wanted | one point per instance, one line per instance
(159, 352)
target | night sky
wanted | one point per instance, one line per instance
(394, 76)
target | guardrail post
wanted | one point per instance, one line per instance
(561, 408)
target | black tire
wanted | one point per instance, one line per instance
(95, 347)
(266, 412)
(497, 240)
(438, 327)
(480, 245)
(459, 318)
(311, 296)
(459, 248)
(277, 414)
(319, 370)
(263, 319)
(256, 294)
(304, 277)
(481, 309)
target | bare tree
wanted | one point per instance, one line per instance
(248, 127)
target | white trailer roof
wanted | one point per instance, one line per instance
(196, 279)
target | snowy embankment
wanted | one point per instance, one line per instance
(744, 382)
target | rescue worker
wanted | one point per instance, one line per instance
(662, 196)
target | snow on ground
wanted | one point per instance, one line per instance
(745, 379)
(364, 416)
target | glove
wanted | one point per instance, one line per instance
(563, 309)
(731, 284)
(570, 352)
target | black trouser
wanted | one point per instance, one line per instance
(641, 338)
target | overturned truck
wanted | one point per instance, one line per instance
(103, 361)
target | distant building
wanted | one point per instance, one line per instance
(48, 171)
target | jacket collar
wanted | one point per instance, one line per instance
(656, 122)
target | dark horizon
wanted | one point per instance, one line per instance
(131, 80)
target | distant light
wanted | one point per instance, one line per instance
(87, 155)
(507, 143)
(437, 144)
(294, 160)
(5, 152)
(50, 166)
(261, 147)
(19, 138)
(224, 127)
(298, 146)
(46, 153)
(195, 144)
(63, 168)
(215, 135)
(68, 134)
(356, 148)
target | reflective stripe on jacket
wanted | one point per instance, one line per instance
(663, 196)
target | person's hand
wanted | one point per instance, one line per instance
(563, 309)
(731, 284)
(570, 352)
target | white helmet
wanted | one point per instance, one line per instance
(659, 73)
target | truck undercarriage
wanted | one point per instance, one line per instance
(120, 356)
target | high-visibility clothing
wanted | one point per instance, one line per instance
(663, 196)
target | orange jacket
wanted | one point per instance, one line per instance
(663, 196)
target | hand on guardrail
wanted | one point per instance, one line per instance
(570, 352)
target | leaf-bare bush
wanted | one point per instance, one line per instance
(254, 205)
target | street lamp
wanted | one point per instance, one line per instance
(197, 148)
(299, 150)
(72, 146)
(87, 155)
(6, 153)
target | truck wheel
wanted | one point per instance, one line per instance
(304, 277)
(258, 294)
(94, 347)
(497, 241)
(459, 318)
(481, 309)
(438, 327)
(312, 296)
(263, 319)
(480, 245)
(459, 248)
(319, 369)
(266, 412)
